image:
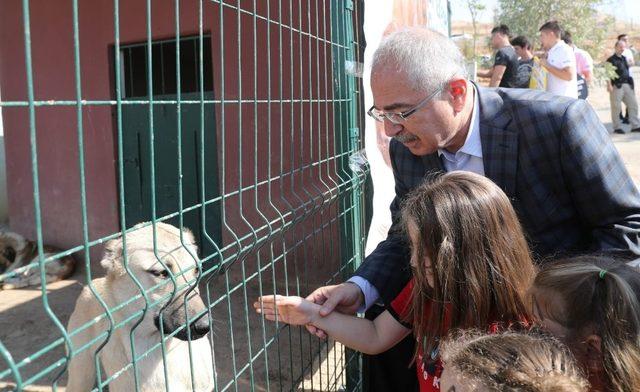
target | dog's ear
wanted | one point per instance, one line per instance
(188, 235)
(112, 255)
(190, 239)
(9, 253)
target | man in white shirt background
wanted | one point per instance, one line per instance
(584, 65)
(559, 61)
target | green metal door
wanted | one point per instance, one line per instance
(137, 164)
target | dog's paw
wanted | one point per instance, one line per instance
(11, 284)
(8, 286)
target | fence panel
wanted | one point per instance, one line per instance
(238, 120)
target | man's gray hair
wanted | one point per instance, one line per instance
(427, 58)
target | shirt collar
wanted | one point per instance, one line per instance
(557, 45)
(472, 145)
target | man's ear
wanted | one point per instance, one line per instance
(458, 93)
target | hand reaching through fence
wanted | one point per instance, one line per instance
(369, 337)
(291, 310)
(346, 298)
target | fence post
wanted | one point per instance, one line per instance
(353, 358)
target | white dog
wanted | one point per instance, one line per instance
(117, 288)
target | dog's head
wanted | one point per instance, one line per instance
(175, 255)
(10, 244)
(7, 257)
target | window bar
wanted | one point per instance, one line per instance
(130, 93)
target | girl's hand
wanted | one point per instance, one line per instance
(290, 310)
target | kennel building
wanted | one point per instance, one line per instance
(236, 119)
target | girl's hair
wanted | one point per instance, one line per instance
(480, 261)
(596, 295)
(511, 361)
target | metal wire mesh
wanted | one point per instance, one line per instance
(235, 119)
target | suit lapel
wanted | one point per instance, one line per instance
(499, 145)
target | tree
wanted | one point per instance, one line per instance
(588, 27)
(475, 7)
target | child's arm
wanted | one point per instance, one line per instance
(369, 337)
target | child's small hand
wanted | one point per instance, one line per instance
(290, 310)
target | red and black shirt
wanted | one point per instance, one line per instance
(429, 370)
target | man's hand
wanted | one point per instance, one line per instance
(345, 298)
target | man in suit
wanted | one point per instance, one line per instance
(550, 155)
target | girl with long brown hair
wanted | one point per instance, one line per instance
(471, 265)
(592, 304)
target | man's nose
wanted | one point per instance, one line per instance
(391, 129)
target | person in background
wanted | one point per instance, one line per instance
(584, 66)
(628, 55)
(592, 304)
(584, 61)
(621, 89)
(505, 64)
(525, 60)
(508, 361)
(559, 61)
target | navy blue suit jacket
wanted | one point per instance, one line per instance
(552, 157)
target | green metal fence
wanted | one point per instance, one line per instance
(236, 119)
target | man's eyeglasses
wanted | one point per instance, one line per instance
(400, 117)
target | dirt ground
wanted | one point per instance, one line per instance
(25, 327)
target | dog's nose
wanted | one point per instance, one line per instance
(200, 327)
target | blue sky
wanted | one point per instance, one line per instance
(625, 10)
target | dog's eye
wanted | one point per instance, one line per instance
(163, 273)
